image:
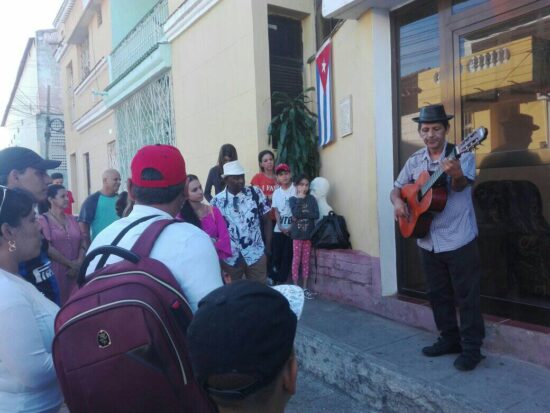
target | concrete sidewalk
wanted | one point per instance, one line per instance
(378, 363)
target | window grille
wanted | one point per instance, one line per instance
(144, 119)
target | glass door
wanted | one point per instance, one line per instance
(502, 82)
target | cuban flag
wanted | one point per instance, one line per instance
(324, 94)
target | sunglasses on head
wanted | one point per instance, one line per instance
(4, 194)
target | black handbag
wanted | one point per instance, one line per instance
(330, 233)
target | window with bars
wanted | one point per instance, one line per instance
(84, 55)
(112, 155)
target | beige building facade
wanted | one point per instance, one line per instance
(89, 125)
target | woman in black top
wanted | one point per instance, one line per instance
(228, 153)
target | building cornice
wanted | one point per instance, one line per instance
(150, 68)
(97, 69)
(60, 51)
(63, 12)
(353, 9)
(185, 16)
(99, 112)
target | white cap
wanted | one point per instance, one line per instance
(232, 168)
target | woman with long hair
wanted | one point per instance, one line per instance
(66, 247)
(304, 213)
(266, 179)
(28, 382)
(227, 153)
(206, 217)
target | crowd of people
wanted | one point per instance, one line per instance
(223, 251)
(43, 246)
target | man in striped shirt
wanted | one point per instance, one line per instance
(449, 254)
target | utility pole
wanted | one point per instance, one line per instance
(48, 131)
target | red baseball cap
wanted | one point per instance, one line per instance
(282, 167)
(165, 159)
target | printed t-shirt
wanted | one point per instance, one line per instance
(281, 202)
(244, 222)
(38, 271)
(268, 186)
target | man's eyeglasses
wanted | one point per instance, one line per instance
(4, 193)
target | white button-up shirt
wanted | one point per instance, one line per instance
(186, 250)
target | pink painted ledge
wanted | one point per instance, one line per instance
(353, 277)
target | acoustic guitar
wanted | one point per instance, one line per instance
(423, 199)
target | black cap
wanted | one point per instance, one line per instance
(431, 114)
(19, 158)
(244, 328)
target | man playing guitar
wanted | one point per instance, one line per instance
(449, 254)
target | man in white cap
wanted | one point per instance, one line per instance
(245, 210)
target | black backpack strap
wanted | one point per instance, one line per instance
(105, 257)
(449, 148)
(256, 199)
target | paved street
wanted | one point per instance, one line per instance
(378, 362)
(313, 396)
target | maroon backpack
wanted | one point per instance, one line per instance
(120, 343)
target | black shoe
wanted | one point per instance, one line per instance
(468, 361)
(441, 347)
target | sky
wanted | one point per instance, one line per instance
(18, 21)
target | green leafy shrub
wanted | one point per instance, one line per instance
(295, 132)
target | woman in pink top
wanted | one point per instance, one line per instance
(66, 249)
(206, 217)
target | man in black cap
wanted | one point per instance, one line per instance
(241, 346)
(449, 254)
(22, 168)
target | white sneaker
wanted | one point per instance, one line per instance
(308, 294)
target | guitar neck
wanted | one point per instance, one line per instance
(435, 176)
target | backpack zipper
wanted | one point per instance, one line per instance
(134, 302)
(166, 285)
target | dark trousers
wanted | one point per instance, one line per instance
(281, 258)
(454, 278)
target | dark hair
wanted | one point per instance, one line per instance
(444, 122)
(45, 205)
(4, 178)
(229, 151)
(261, 155)
(18, 204)
(301, 177)
(57, 175)
(121, 202)
(150, 196)
(187, 212)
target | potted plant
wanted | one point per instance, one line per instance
(294, 130)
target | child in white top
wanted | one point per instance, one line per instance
(282, 243)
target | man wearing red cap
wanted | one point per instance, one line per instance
(157, 187)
